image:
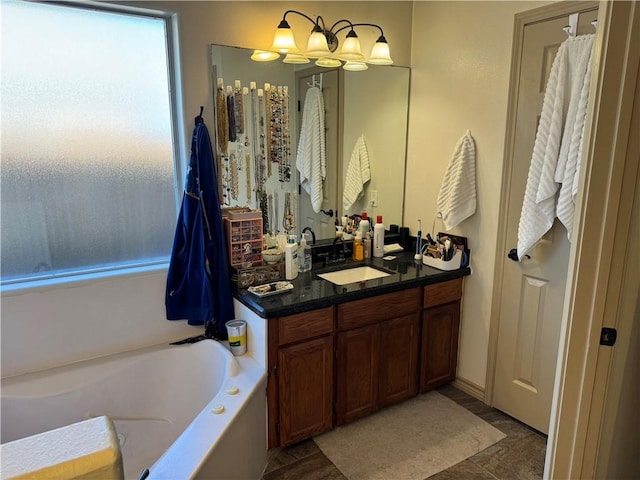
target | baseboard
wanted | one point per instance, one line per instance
(470, 388)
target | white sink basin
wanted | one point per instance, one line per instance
(353, 275)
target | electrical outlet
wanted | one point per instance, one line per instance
(373, 198)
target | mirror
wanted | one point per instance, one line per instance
(371, 104)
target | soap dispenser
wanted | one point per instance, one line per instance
(304, 254)
(291, 258)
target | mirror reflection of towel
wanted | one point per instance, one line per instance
(311, 158)
(457, 197)
(358, 174)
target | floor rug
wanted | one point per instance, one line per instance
(409, 441)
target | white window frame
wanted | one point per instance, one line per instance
(172, 50)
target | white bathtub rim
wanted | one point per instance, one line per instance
(15, 386)
(210, 427)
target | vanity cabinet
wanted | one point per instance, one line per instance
(440, 327)
(377, 353)
(300, 380)
(336, 364)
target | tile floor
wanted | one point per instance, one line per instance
(520, 455)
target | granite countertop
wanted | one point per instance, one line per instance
(311, 292)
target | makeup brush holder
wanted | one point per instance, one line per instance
(440, 264)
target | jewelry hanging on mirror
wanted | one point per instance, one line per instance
(271, 217)
(239, 108)
(222, 121)
(285, 139)
(261, 115)
(233, 168)
(231, 114)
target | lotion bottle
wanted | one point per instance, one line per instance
(358, 248)
(364, 226)
(367, 245)
(378, 238)
(304, 254)
(291, 258)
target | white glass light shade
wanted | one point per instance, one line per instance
(328, 62)
(295, 58)
(283, 40)
(380, 54)
(355, 66)
(351, 49)
(317, 46)
(264, 56)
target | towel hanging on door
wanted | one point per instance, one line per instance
(457, 197)
(311, 159)
(555, 163)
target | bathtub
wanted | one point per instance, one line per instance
(182, 411)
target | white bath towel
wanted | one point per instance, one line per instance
(561, 126)
(457, 196)
(358, 174)
(569, 160)
(311, 159)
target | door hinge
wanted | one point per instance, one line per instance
(278, 428)
(275, 371)
(608, 336)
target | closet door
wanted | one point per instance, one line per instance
(532, 293)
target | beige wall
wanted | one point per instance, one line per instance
(461, 58)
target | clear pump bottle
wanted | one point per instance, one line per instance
(304, 254)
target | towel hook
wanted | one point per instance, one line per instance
(572, 28)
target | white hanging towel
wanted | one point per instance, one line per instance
(569, 160)
(457, 197)
(358, 174)
(557, 146)
(311, 159)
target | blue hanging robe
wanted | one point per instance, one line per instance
(198, 286)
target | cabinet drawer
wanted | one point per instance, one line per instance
(305, 325)
(378, 308)
(440, 293)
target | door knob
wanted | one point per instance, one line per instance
(329, 213)
(513, 255)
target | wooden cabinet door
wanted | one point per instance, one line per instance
(398, 377)
(305, 384)
(357, 373)
(439, 356)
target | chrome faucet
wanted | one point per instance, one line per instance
(313, 234)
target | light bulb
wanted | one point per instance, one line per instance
(351, 48)
(317, 45)
(283, 40)
(328, 62)
(295, 58)
(353, 66)
(264, 56)
(380, 53)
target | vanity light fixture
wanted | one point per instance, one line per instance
(264, 56)
(322, 45)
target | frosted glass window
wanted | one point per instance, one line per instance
(87, 153)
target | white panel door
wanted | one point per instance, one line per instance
(533, 289)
